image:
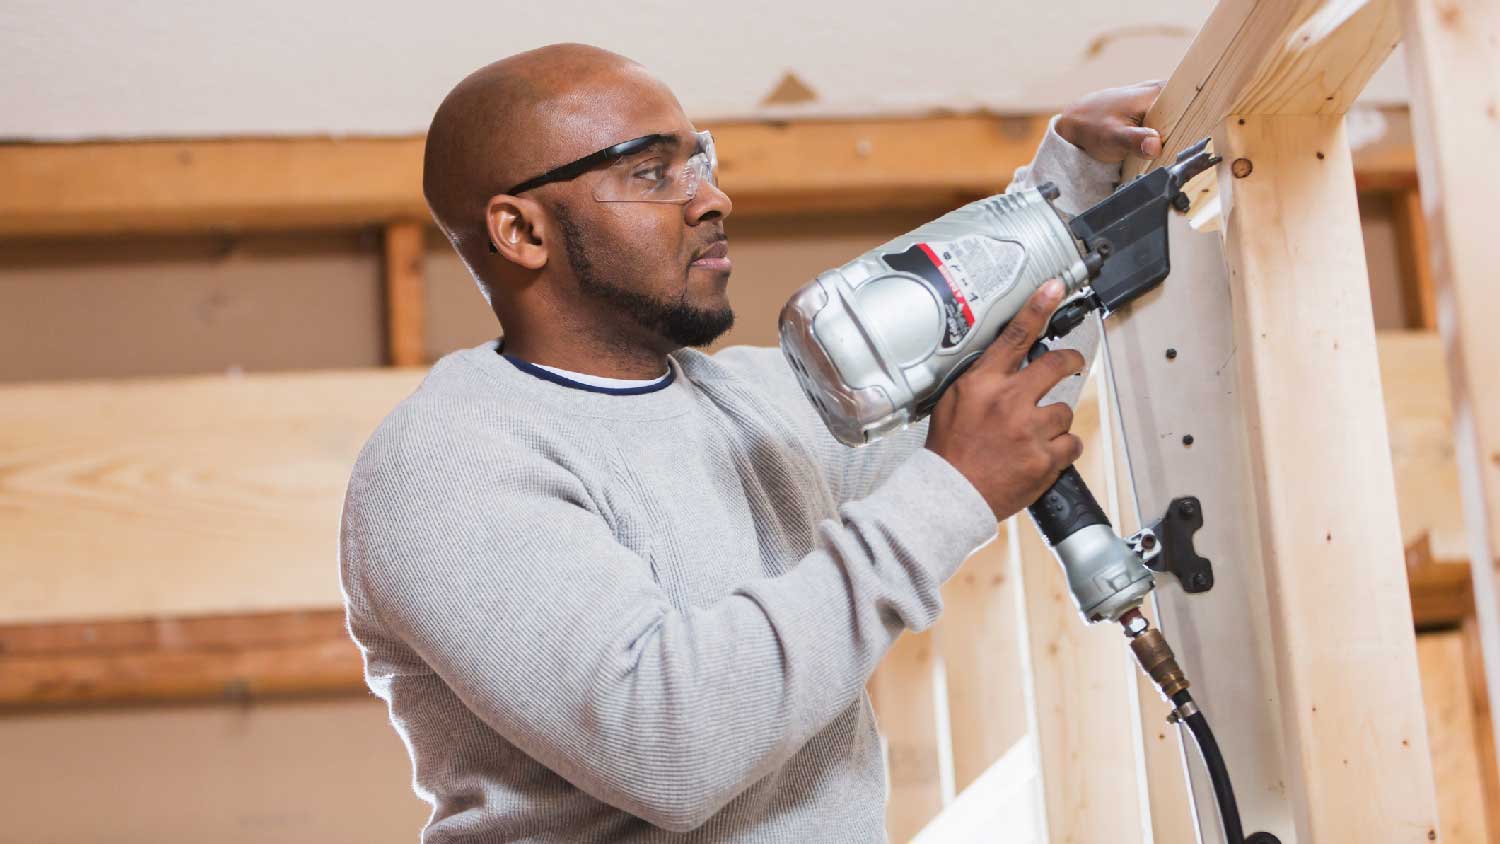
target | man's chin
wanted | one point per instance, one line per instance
(698, 328)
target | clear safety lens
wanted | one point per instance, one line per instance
(662, 172)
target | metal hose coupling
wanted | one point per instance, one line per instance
(1154, 654)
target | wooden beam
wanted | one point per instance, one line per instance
(768, 167)
(902, 693)
(1418, 291)
(405, 293)
(171, 660)
(1271, 57)
(1277, 381)
(1453, 59)
(1419, 415)
(980, 639)
(1325, 487)
(1457, 761)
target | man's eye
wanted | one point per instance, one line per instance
(652, 172)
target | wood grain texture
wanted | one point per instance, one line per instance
(405, 293)
(179, 496)
(1419, 416)
(171, 660)
(902, 693)
(768, 167)
(1271, 57)
(1453, 60)
(1453, 735)
(981, 641)
(1337, 594)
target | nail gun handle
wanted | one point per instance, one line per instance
(1066, 508)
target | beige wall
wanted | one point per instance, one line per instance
(331, 772)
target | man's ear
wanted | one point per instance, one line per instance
(518, 230)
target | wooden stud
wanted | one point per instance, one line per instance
(1310, 382)
(1453, 59)
(1451, 726)
(405, 290)
(1418, 296)
(902, 693)
(1484, 726)
(980, 639)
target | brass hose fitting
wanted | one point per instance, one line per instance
(1154, 654)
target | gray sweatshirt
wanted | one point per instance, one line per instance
(647, 617)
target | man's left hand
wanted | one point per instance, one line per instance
(1107, 124)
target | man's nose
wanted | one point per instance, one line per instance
(710, 202)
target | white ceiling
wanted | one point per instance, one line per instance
(92, 69)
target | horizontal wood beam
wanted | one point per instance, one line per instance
(227, 657)
(769, 168)
(308, 652)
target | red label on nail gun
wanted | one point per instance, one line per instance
(922, 262)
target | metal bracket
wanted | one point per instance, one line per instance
(1167, 545)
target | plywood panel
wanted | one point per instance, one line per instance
(179, 496)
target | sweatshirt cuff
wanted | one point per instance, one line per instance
(941, 507)
(1084, 180)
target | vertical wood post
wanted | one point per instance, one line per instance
(1340, 616)
(980, 639)
(1453, 58)
(404, 293)
(902, 693)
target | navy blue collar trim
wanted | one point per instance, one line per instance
(549, 375)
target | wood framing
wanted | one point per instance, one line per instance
(768, 168)
(405, 291)
(179, 496)
(1453, 57)
(980, 639)
(803, 166)
(902, 693)
(167, 660)
(1289, 450)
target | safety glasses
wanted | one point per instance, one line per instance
(652, 168)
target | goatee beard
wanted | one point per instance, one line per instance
(675, 321)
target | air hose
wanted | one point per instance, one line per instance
(1156, 659)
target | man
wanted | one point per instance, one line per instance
(614, 589)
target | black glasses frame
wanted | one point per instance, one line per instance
(574, 169)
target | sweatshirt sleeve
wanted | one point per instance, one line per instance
(572, 652)
(1081, 180)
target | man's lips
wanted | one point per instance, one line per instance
(715, 257)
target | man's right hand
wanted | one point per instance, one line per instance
(988, 426)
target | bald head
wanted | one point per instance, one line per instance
(519, 117)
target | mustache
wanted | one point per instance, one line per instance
(715, 240)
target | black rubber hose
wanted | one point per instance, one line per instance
(1218, 773)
